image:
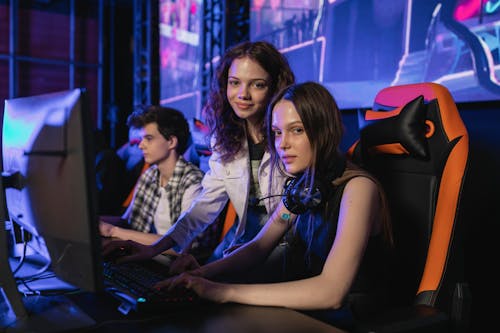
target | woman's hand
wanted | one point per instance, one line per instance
(182, 263)
(213, 291)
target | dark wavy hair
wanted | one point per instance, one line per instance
(225, 126)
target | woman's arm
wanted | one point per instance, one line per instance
(358, 213)
(248, 254)
(190, 194)
(113, 230)
(204, 209)
(256, 250)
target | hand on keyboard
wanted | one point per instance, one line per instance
(198, 285)
(204, 288)
(124, 251)
(134, 283)
(182, 263)
(106, 229)
(179, 294)
(177, 281)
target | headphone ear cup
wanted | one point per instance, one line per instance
(298, 199)
(289, 199)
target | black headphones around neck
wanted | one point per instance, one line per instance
(299, 197)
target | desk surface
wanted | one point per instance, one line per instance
(87, 312)
(98, 312)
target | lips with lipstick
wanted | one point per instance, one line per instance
(243, 106)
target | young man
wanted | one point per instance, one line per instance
(167, 188)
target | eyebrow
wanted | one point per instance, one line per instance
(252, 79)
(295, 122)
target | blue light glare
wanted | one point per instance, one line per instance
(23, 121)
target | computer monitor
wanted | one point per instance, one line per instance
(47, 144)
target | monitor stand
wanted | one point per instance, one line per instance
(11, 301)
(34, 313)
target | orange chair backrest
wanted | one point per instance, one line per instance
(416, 143)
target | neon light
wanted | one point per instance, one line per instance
(490, 8)
(181, 35)
(467, 9)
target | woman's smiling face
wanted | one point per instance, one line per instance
(247, 88)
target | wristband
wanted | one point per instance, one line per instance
(285, 216)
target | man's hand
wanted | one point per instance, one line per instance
(106, 229)
(124, 251)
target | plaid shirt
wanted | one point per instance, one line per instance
(148, 194)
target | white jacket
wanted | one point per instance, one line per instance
(225, 181)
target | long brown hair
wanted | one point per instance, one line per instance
(225, 126)
(323, 125)
(322, 121)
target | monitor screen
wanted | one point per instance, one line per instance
(180, 34)
(358, 47)
(48, 140)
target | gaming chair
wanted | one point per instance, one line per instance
(415, 142)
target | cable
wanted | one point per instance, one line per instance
(41, 270)
(255, 201)
(45, 292)
(23, 257)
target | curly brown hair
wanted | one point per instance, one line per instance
(225, 126)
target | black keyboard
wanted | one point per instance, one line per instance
(133, 284)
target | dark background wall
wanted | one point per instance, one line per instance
(38, 51)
